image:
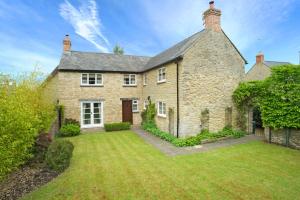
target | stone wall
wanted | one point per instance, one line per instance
(212, 70)
(50, 88)
(166, 92)
(258, 72)
(279, 137)
(71, 94)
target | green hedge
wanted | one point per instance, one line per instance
(194, 140)
(24, 113)
(117, 126)
(59, 155)
(69, 130)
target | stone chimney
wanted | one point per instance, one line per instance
(67, 43)
(260, 58)
(212, 18)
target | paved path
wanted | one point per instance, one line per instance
(171, 150)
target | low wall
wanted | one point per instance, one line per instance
(280, 137)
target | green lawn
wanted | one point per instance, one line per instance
(122, 166)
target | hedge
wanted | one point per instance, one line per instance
(117, 126)
(59, 155)
(69, 130)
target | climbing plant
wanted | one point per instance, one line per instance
(277, 97)
(148, 115)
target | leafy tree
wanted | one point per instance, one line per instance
(24, 113)
(118, 50)
(277, 97)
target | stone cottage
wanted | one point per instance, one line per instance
(191, 83)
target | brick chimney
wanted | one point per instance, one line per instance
(260, 58)
(212, 18)
(67, 43)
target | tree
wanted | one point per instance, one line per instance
(118, 50)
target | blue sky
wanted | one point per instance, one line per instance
(31, 31)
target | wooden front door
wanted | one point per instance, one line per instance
(127, 111)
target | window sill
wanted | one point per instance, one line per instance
(160, 82)
(129, 85)
(91, 85)
(162, 116)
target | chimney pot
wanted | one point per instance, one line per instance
(212, 4)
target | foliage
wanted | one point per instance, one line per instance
(24, 113)
(194, 140)
(69, 130)
(117, 126)
(148, 115)
(277, 97)
(59, 155)
(118, 50)
(72, 121)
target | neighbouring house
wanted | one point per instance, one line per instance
(191, 83)
(262, 69)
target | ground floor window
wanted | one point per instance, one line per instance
(91, 114)
(135, 106)
(161, 109)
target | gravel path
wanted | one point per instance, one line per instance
(169, 149)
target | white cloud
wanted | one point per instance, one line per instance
(86, 23)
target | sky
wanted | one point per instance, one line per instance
(31, 31)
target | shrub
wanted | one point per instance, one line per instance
(69, 130)
(117, 126)
(191, 141)
(24, 113)
(72, 121)
(59, 155)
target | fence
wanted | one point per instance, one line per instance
(285, 137)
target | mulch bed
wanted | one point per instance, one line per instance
(25, 180)
(29, 176)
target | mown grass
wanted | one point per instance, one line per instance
(122, 166)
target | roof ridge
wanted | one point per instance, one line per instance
(112, 54)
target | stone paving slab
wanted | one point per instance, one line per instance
(170, 150)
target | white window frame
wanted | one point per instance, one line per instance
(146, 103)
(162, 112)
(130, 80)
(135, 102)
(160, 72)
(88, 83)
(145, 79)
(92, 125)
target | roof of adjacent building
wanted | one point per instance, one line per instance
(87, 61)
(275, 63)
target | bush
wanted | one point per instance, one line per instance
(194, 140)
(117, 126)
(72, 121)
(59, 155)
(24, 113)
(69, 130)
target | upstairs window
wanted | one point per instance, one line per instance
(135, 106)
(130, 80)
(161, 109)
(161, 75)
(91, 79)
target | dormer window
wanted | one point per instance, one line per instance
(161, 76)
(91, 79)
(129, 80)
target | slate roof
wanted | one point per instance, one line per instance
(86, 61)
(275, 63)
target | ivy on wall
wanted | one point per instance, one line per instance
(277, 97)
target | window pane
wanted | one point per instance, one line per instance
(99, 79)
(97, 121)
(86, 122)
(126, 79)
(132, 79)
(84, 79)
(92, 79)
